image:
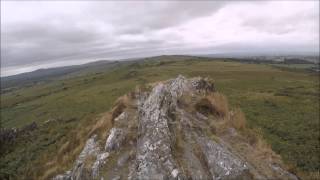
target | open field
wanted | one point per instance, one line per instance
(282, 105)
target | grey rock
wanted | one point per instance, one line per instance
(164, 141)
(115, 139)
(78, 171)
(221, 162)
(65, 176)
(202, 84)
(193, 164)
(154, 156)
(91, 148)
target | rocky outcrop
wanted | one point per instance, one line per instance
(162, 136)
(154, 148)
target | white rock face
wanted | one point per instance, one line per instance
(175, 173)
(154, 156)
(177, 86)
(91, 148)
(154, 148)
(116, 137)
(78, 172)
(221, 162)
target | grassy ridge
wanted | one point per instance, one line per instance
(283, 105)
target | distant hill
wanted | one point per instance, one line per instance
(53, 73)
(287, 59)
(42, 75)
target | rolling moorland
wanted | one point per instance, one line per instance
(280, 102)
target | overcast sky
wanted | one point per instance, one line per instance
(48, 34)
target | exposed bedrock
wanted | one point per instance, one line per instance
(158, 136)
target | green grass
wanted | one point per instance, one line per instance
(296, 66)
(282, 104)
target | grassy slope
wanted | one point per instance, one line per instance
(282, 104)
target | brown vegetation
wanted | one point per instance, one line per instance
(68, 152)
(243, 140)
(237, 119)
(214, 103)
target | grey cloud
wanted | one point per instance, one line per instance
(60, 37)
(64, 32)
(105, 29)
(281, 26)
(265, 48)
(32, 42)
(49, 38)
(137, 17)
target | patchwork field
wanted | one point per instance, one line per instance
(282, 105)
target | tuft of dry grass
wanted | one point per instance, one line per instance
(117, 110)
(237, 119)
(264, 149)
(220, 103)
(122, 103)
(67, 153)
(70, 150)
(102, 126)
(88, 162)
(50, 172)
(214, 103)
(243, 140)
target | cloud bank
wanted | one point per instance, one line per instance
(56, 33)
